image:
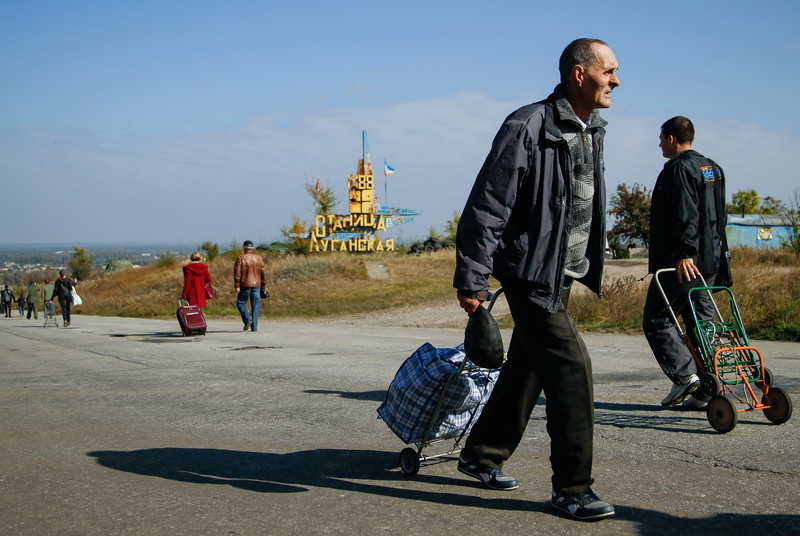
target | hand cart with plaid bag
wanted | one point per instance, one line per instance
(436, 395)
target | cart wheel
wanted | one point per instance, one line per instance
(710, 385)
(780, 406)
(768, 378)
(721, 414)
(409, 461)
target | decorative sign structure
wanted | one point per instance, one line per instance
(356, 232)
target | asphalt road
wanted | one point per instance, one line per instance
(123, 426)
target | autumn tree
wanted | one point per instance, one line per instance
(630, 206)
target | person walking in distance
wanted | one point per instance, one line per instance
(535, 219)
(63, 292)
(47, 298)
(32, 299)
(195, 277)
(249, 281)
(7, 298)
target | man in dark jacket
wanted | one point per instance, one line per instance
(687, 221)
(7, 298)
(535, 219)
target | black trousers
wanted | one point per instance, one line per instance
(669, 350)
(65, 303)
(546, 353)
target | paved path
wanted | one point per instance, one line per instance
(122, 426)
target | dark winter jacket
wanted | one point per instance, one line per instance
(517, 218)
(687, 213)
(63, 289)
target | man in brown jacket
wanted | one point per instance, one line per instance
(249, 280)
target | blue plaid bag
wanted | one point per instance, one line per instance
(413, 394)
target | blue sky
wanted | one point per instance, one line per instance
(179, 122)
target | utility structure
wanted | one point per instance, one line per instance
(358, 230)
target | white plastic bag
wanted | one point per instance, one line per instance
(76, 300)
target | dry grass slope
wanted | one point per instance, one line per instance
(767, 289)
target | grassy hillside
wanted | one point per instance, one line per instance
(767, 288)
(300, 286)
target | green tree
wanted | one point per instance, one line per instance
(630, 206)
(451, 227)
(295, 241)
(81, 264)
(770, 205)
(234, 251)
(211, 249)
(324, 197)
(167, 258)
(744, 202)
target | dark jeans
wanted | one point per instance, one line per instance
(546, 353)
(669, 350)
(65, 303)
(32, 309)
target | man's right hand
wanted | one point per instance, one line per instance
(686, 270)
(470, 305)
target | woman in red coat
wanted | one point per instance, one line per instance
(195, 277)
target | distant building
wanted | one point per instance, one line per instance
(756, 230)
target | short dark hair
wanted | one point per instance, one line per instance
(579, 52)
(680, 127)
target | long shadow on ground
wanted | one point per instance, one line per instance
(347, 470)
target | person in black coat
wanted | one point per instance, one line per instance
(687, 226)
(535, 219)
(63, 291)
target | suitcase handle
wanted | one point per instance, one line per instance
(180, 303)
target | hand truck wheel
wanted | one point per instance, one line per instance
(409, 461)
(710, 385)
(768, 378)
(721, 414)
(780, 406)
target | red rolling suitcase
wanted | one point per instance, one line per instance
(191, 319)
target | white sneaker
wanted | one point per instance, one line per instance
(693, 402)
(680, 391)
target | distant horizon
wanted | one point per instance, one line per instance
(70, 245)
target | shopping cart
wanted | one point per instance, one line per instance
(436, 395)
(727, 364)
